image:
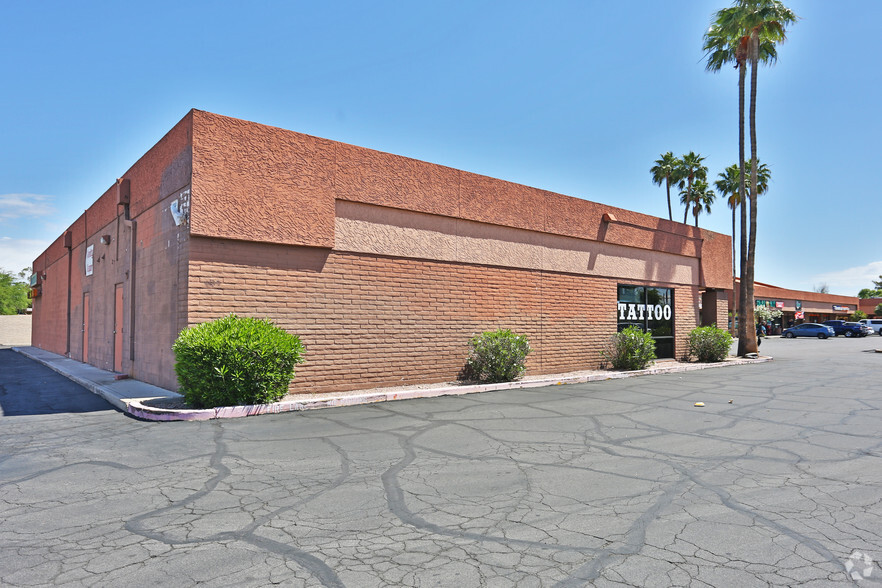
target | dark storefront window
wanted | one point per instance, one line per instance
(652, 310)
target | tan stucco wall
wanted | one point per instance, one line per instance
(379, 230)
(263, 184)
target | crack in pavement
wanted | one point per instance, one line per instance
(610, 483)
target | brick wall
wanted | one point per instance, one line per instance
(310, 255)
(110, 267)
(49, 330)
(869, 305)
(370, 320)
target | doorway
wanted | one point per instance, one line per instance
(86, 327)
(118, 328)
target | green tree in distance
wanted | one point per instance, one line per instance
(13, 292)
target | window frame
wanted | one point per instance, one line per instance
(665, 344)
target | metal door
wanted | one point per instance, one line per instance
(118, 329)
(86, 327)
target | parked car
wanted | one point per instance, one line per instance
(845, 328)
(875, 324)
(809, 330)
(865, 330)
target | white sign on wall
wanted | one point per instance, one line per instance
(633, 312)
(90, 250)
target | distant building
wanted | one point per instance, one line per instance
(798, 306)
(868, 306)
(384, 265)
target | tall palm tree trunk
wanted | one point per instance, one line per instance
(688, 200)
(668, 185)
(742, 270)
(734, 266)
(752, 346)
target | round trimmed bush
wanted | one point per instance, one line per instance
(497, 356)
(234, 361)
(709, 344)
(630, 349)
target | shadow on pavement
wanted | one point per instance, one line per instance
(28, 388)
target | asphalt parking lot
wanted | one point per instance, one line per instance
(615, 483)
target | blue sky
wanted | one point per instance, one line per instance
(575, 97)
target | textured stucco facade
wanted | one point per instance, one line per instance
(384, 265)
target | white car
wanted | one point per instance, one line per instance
(875, 324)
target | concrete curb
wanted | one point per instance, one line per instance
(131, 396)
(142, 411)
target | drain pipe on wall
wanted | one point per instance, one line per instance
(124, 198)
(67, 240)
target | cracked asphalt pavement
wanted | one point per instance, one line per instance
(616, 483)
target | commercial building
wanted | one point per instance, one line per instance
(798, 306)
(385, 266)
(868, 307)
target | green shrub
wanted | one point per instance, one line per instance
(630, 349)
(497, 356)
(234, 361)
(707, 344)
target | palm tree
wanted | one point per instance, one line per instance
(699, 198)
(729, 187)
(763, 177)
(690, 170)
(725, 43)
(747, 32)
(666, 170)
(767, 20)
(702, 198)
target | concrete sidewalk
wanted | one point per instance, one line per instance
(120, 392)
(149, 402)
